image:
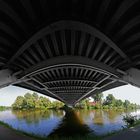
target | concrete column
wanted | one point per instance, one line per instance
(132, 77)
(6, 78)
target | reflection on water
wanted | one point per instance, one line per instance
(102, 122)
(61, 123)
(71, 125)
(35, 122)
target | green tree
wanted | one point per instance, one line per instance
(45, 102)
(28, 101)
(33, 101)
(35, 96)
(83, 104)
(28, 96)
(110, 100)
(57, 104)
(98, 97)
(119, 103)
(126, 104)
(18, 104)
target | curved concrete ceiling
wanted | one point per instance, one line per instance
(72, 49)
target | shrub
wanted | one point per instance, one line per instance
(129, 120)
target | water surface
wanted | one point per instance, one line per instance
(61, 123)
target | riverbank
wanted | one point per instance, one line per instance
(64, 125)
(7, 132)
(132, 133)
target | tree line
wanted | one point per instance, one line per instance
(2, 108)
(33, 101)
(110, 102)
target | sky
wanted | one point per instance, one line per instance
(10, 93)
(131, 93)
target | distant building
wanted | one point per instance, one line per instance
(92, 103)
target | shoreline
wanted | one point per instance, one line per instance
(87, 137)
(20, 132)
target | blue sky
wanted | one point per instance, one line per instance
(9, 94)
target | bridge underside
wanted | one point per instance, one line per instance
(69, 50)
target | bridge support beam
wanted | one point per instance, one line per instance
(132, 77)
(6, 78)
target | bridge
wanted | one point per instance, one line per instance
(69, 49)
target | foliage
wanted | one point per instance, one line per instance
(98, 97)
(57, 105)
(129, 120)
(33, 101)
(110, 102)
(84, 104)
(126, 104)
(2, 108)
(118, 103)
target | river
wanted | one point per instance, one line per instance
(60, 123)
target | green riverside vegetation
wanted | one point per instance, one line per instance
(33, 101)
(2, 108)
(110, 102)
